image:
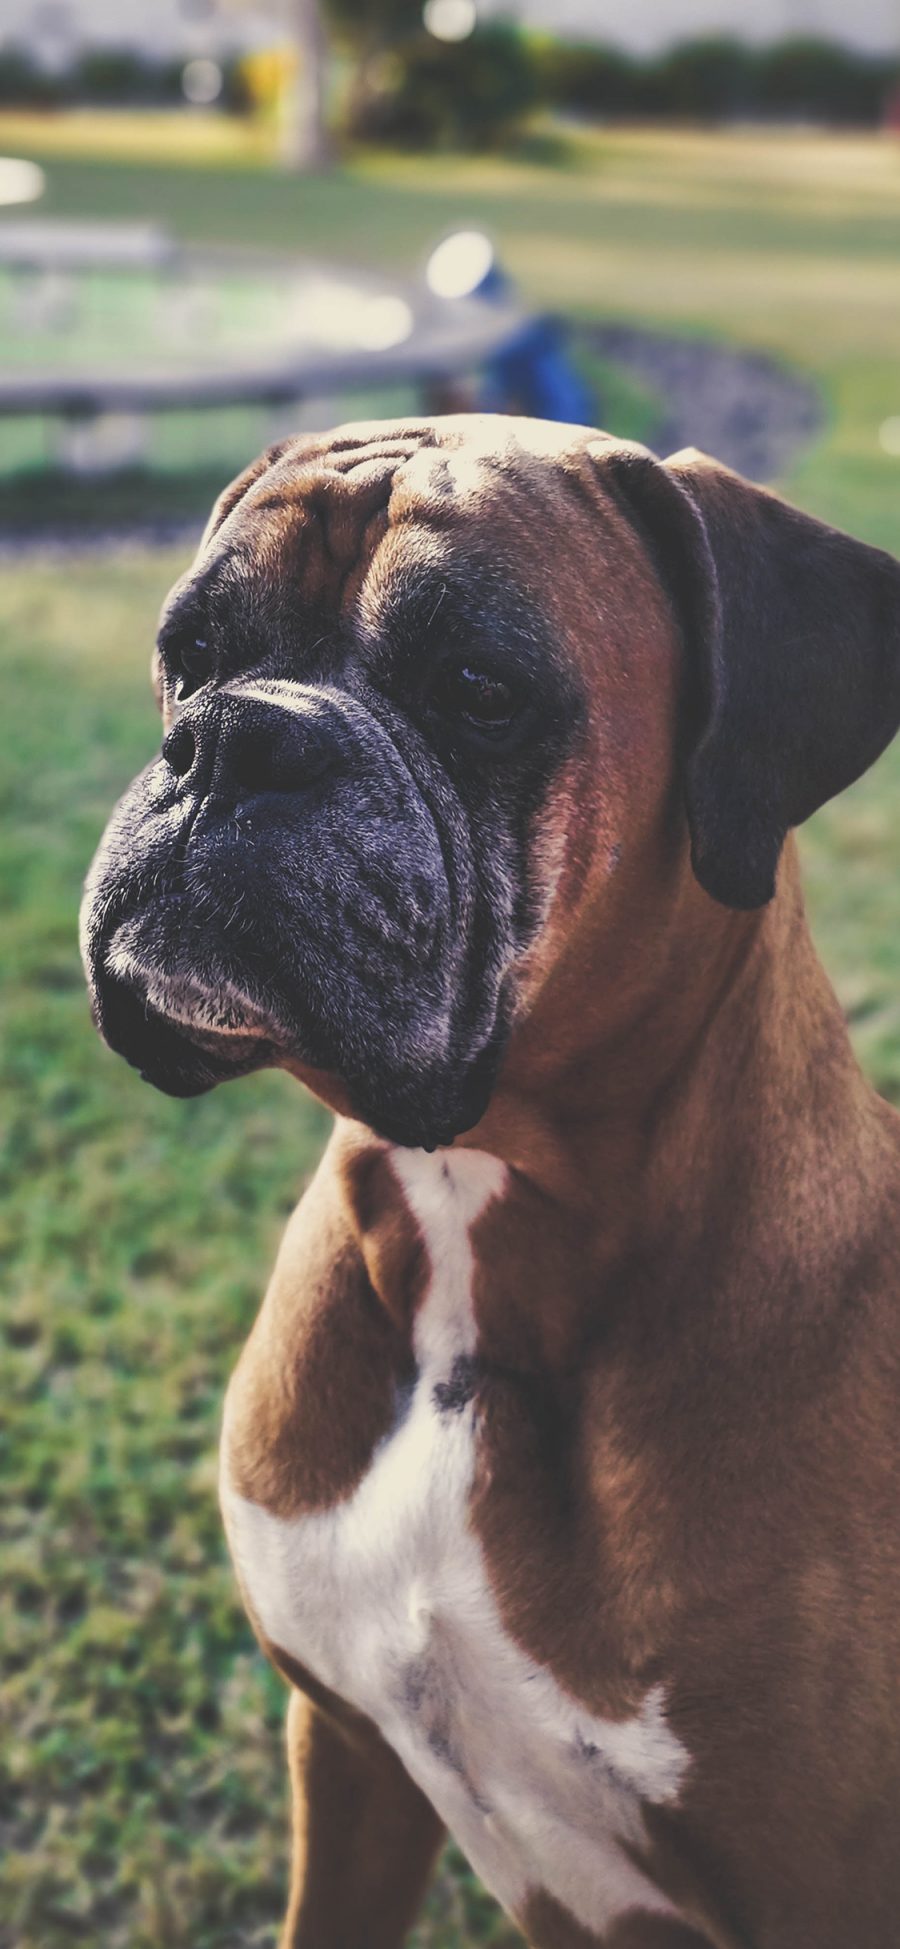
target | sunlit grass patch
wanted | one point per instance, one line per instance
(199, 136)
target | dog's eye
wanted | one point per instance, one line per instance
(191, 662)
(476, 696)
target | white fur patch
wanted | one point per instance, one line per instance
(386, 1598)
(221, 1009)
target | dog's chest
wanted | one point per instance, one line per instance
(388, 1601)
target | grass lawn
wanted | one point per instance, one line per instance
(141, 1777)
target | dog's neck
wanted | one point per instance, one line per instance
(677, 1070)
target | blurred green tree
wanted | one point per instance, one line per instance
(470, 94)
(372, 32)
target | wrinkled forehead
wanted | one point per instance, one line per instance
(378, 525)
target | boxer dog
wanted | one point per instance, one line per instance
(562, 1468)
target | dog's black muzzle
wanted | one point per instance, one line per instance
(286, 882)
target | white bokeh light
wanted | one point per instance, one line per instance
(20, 182)
(450, 20)
(460, 264)
(384, 322)
(201, 82)
(889, 435)
(346, 319)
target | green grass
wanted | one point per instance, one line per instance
(141, 1775)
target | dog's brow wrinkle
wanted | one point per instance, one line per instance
(272, 502)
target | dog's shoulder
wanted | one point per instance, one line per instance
(318, 1380)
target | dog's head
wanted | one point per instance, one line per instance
(422, 689)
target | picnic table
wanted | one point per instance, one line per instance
(326, 329)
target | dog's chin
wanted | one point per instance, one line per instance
(186, 1002)
(186, 1034)
(179, 1058)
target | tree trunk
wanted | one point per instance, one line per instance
(304, 142)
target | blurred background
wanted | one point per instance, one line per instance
(219, 222)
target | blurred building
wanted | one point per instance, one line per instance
(55, 30)
(870, 24)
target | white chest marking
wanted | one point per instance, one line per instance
(386, 1599)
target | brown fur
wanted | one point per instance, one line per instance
(353, 1803)
(687, 1310)
(302, 1427)
(546, 1922)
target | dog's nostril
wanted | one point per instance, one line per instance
(179, 750)
(225, 748)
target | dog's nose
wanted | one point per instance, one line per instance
(226, 743)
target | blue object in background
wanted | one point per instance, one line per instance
(534, 373)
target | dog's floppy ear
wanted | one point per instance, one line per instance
(792, 633)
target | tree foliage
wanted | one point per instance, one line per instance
(366, 25)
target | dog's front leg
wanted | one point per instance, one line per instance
(658, 1932)
(365, 1838)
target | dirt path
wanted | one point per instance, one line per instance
(740, 406)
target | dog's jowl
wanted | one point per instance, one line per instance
(561, 1470)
